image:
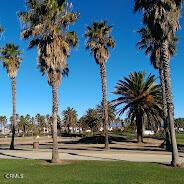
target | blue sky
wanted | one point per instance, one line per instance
(82, 89)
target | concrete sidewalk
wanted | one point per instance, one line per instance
(70, 149)
(113, 155)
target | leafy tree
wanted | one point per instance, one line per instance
(99, 41)
(10, 55)
(46, 24)
(141, 98)
(162, 19)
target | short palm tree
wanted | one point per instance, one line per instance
(49, 121)
(153, 48)
(10, 55)
(99, 41)
(41, 122)
(92, 120)
(70, 118)
(46, 23)
(81, 124)
(3, 121)
(162, 19)
(23, 124)
(141, 98)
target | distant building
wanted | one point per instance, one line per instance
(181, 129)
(4, 130)
(116, 125)
(148, 132)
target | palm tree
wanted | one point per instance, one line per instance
(3, 121)
(141, 98)
(46, 23)
(23, 124)
(81, 124)
(31, 125)
(99, 41)
(49, 121)
(10, 55)
(153, 48)
(111, 112)
(70, 118)
(41, 120)
(17, 122)
(92, 120)
(162, 19)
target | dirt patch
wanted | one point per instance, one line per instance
(169, 166)
(181, 165)
(62, 162)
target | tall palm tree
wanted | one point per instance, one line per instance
(153, 48)
(162, 18)
(46, 24)
(99, 41)
(10, 55)
(111, 112)
(141, 98)
(70, 118)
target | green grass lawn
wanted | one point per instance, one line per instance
(89, 172)
(180, 138)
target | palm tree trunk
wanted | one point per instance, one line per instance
(4, 128)
(165, 116)
(73, 129)
(14, 113)
(104, 102)
(55, 153)
(169, 99)
(139, 124)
